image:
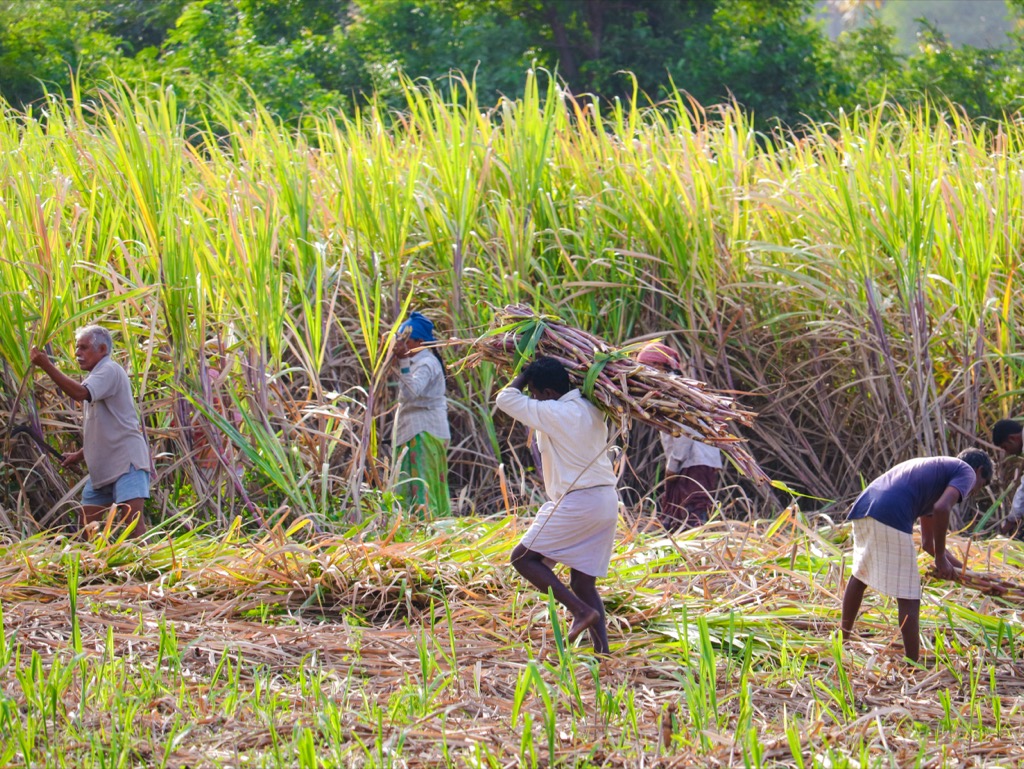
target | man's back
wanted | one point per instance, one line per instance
(572, 437)
(904, 493)
(112, 437)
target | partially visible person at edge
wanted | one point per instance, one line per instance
(691, 467)
(884, 555)
(209, 456)
(114, 449)
(421, 425)
(1007, 435)
(576, 526)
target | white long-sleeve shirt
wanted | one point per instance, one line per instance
(682, 452)
(422, 406)
(572, 437)
(1017, 506)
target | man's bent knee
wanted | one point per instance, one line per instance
(522, 555)
(579, 580)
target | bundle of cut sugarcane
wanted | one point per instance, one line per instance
(617, 384)
(990, 584)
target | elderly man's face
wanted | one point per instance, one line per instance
(89, 354)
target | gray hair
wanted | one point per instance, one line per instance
(97, 335)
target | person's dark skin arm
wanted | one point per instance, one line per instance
(933, 534)
(71, 388)
(72, 458)
(519, 382)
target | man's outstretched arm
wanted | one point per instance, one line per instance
(71, 388)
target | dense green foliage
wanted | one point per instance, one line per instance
(298, 56)
(854, 283)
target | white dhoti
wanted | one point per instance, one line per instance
(578, 530)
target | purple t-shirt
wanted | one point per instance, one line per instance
(903, 494)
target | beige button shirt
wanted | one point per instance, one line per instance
(112, 437)
(572, 437)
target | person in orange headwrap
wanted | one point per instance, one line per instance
(691, 467)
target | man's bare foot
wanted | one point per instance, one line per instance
(581, 623)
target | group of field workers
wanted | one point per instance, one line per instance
(576, 525)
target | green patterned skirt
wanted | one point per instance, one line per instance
(423, 477)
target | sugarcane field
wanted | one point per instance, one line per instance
(526, 434)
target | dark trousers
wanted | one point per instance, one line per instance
(687, 499)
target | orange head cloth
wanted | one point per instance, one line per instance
(659, 355)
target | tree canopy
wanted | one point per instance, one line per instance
(776, 59)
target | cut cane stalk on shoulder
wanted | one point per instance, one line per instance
(621, 387)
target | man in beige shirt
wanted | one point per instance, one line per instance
(113, 447)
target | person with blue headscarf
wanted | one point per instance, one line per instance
(421, 425)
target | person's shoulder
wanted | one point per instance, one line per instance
(952, 465)
(574, 400)
(106, 367)
(426, 358)
(113, 367)
(925, 463)
(579, 401)
(941, 466)
(961, 469)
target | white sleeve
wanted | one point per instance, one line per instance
(1017, 506)
(102, 381)
(414, 383)
(540, 415)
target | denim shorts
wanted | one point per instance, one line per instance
(132, 485)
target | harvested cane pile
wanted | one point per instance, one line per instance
(620, 386)
(991, 584)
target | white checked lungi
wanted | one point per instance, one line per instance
(578, 530)
(885, 559)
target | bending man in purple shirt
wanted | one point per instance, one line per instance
(884, 556)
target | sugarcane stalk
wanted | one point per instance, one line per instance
(623, 388)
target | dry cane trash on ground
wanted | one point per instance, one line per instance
(617, 384)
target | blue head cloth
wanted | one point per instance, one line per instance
(421, 327)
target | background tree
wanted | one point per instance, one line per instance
(430, 38)
(284, 50)
(771, 57)
(43, 43)
(775, 59)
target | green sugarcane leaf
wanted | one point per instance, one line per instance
(530, 333)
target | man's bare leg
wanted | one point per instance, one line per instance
(531, 566)
(851, 605)
(127, 512)
(910, 620)
(585, 587)
(131, 511)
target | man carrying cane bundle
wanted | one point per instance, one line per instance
(113, 447)
(691, 467)
(577, 525)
